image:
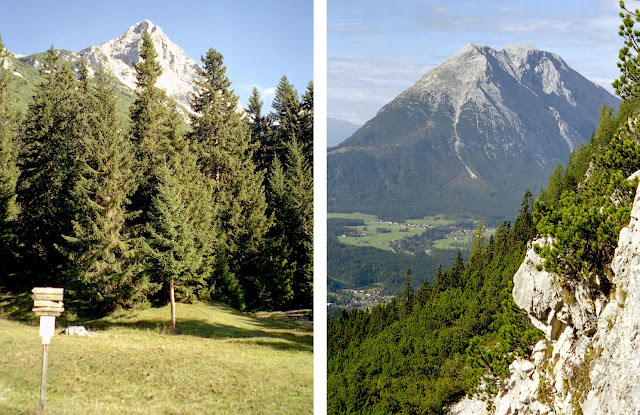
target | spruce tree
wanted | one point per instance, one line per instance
(291, 204)
(287, 109)
(102, 248)
(300, 184)
(50, 163)
(226, 154)
(277, 268)
(160, 145)
(172, 245)
(262, 136)
(8, 171)
(306, 123)
(287, 116)
(153, 125)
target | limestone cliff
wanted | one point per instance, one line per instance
(589, 361)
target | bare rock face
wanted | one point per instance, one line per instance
(589, 361)
(615, 373)
(551, 307)
(120, 54)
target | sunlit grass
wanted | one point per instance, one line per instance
(220, 361)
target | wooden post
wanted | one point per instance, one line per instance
(172, 295)
(43, 384)
(47, 304)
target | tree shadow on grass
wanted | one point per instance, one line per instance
(277, 333)
(17, 307)
(279, 336)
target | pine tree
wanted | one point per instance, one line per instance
(300, 183)
(161, 147)
(287, 113)
(103, 250)
(407, 295)
(628, 85)
(306, 121)
(225, 151)
(291, 204)
(273, 287)
(50, 165)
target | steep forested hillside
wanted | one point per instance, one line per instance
(429, 347)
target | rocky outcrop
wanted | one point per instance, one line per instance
(589, 360)
(615, 373)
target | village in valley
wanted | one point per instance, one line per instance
(414, 237)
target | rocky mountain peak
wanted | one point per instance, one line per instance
(481, 116)
(142, 27)
(121, 54)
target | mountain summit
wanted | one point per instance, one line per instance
(468, 138)
(119, 56)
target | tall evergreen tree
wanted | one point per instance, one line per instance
(226, 154)
(274, 282)
(167, 161)
(103, 250)
(172, 245)
(153, 125)
(262, 135)
(291, 203)
(50, 162)
(8, 171)
(287, 113)
(306, 121)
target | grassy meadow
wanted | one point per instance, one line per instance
(221, 361)
(397, 231)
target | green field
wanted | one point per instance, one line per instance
(220, 361)
(379, 240)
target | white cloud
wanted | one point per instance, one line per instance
(349, 26)
(358, 88)
(266, 95)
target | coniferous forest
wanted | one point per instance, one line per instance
(151, 208)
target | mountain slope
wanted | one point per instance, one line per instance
(120, 54)
(468, 138)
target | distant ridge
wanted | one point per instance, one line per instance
(339, 130)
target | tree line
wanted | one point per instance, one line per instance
(124, 213)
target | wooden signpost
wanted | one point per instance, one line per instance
(47, 304)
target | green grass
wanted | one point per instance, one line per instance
(220, 361)
(381, 240)
(357, 215)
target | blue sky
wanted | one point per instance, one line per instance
(260, 40)
(378, 48)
